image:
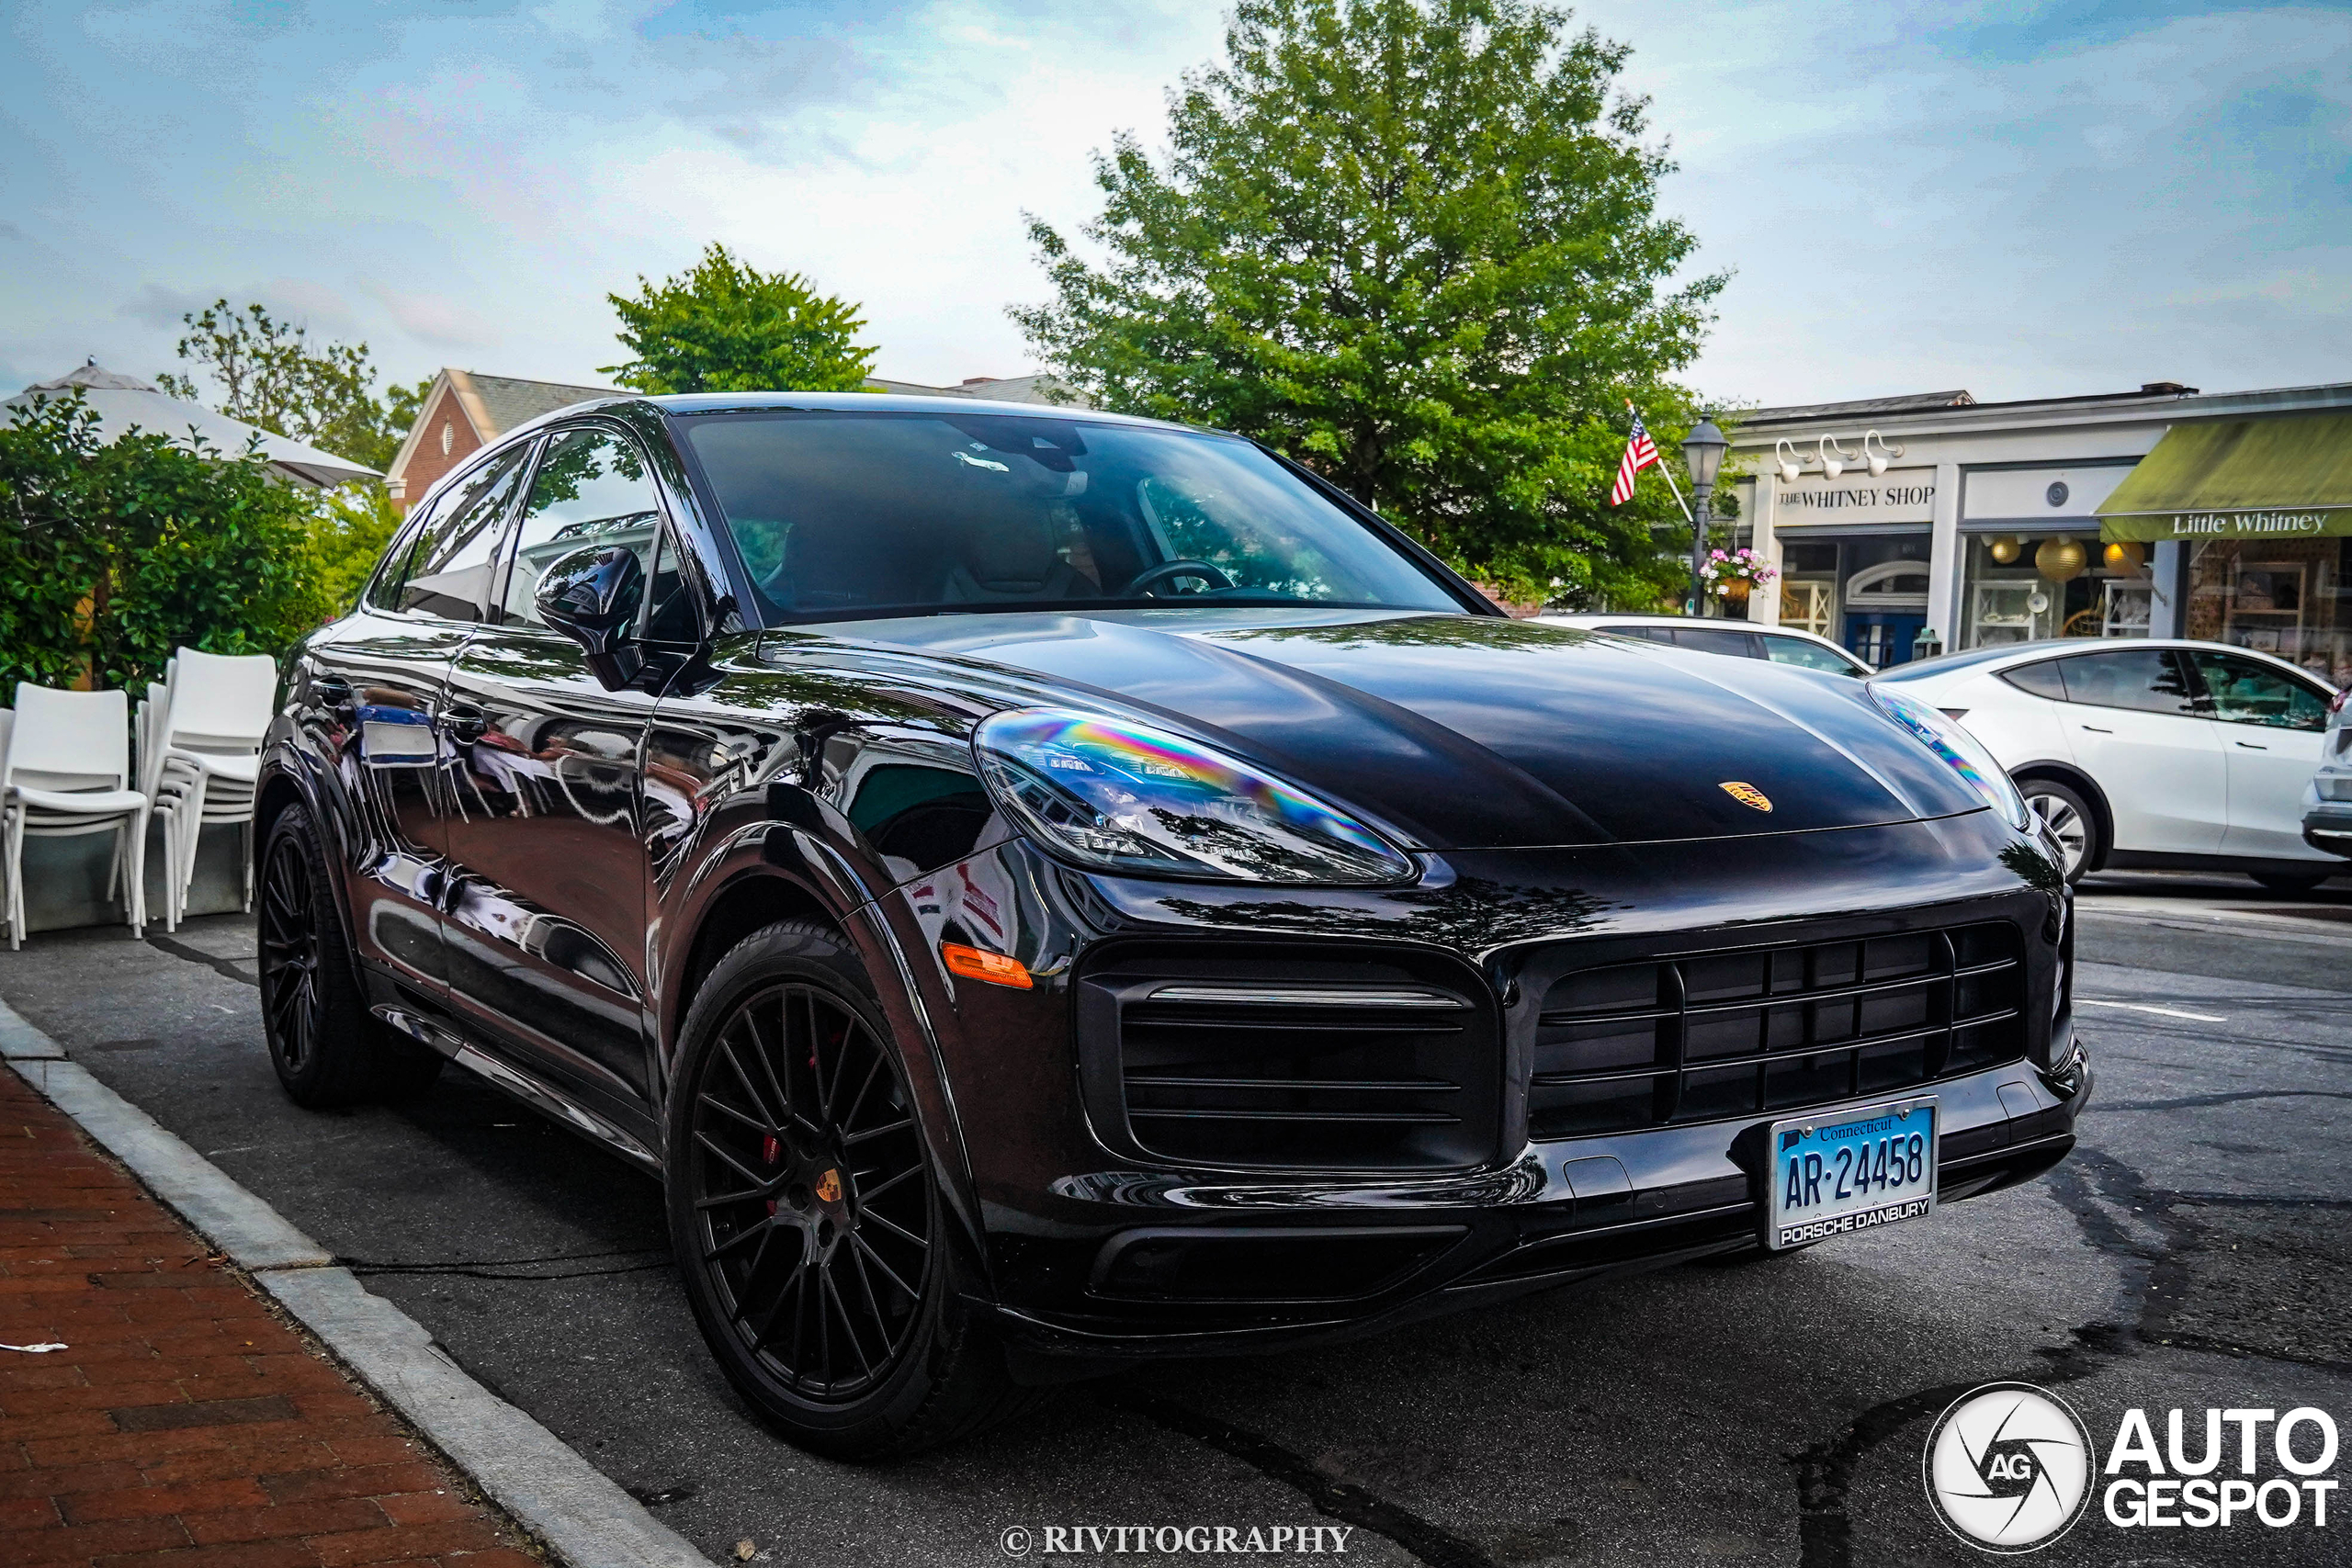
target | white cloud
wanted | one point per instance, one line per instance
(1912, 196)
(434, 320)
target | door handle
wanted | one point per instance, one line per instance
(2253, 745)
(464, 724)
(2095, 730)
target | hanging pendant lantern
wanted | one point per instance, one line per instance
(2004, 547)
(2123, 557)
(2061, 559)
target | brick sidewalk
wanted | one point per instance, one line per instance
(188, 1424)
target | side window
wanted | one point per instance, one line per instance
(2146, 680)
(2044, 678)
(449, 574)
(393, 575)
(592, 489)
(1809, 655)
(1712, 639)
(669, 614)
(1645, 634)
(2243, 691)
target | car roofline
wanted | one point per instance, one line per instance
(689, 403)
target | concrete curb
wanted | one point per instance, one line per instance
(585, 1519)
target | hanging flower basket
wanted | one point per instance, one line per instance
(1731, 575)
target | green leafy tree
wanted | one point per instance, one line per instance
(1415, 245)
(350, 531)
(727, 327)
(268, 373)
(112, 555)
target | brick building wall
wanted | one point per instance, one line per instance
(448, 440)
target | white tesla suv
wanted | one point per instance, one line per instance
(2148, 752)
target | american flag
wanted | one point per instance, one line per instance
(1640, 453)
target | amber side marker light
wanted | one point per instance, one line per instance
(994, 967)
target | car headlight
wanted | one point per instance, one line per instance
(1126, 798)
(1963, 751)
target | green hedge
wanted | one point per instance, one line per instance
(112, 555)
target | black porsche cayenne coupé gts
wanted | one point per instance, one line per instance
(1044, 889)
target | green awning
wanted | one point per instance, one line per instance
(2249, 479)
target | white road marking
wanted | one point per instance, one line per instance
(2160, 1012)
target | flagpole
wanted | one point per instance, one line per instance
(1667, 473)
(1666, 469)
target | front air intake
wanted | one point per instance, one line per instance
(1760, 1029)
(1219, 1059)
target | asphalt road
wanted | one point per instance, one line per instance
(2197, 1251)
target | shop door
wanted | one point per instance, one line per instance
(1883, 638)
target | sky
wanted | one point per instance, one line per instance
(2021, 199)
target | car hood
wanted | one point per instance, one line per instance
(1472, 732)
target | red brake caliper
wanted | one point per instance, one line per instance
(769, 1152)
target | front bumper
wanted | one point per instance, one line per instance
(1565, 1213)
(1097, 1251)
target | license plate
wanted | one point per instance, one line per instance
(1850, 1171)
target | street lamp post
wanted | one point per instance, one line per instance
(1702, 450)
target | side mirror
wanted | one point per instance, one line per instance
(593, 596)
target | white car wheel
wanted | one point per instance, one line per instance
(2067, 818)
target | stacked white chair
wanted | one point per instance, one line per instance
(202, 752)
(66, 771)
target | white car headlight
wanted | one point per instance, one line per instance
(1126, 798)
(1965, 753)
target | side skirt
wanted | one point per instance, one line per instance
(532, 1090)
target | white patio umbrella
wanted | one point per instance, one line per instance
(124, 403)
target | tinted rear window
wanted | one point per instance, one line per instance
(2148, 679)
(2044, 679)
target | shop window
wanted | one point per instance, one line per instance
(2283, 597)
(2006, 597)
(1809, 604)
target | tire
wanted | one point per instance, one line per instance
(329, 1050)
(2292, 883)
(2069, 818)
(806, 1212)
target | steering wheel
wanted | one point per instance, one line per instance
(1167, 571)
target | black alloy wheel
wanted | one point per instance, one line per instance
(806, 1212)
(328, 1048)
(810, 1179)
(291, 1006)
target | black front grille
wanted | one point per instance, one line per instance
(1764, 1028)
(1296, 1062)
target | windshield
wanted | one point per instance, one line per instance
(849, 516)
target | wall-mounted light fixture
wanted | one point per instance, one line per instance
(1829, 453)
(1876, 462)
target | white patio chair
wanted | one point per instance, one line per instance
(167, 793)
(67, 772)
(209, 754)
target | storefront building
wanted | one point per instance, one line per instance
(1938, 522)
